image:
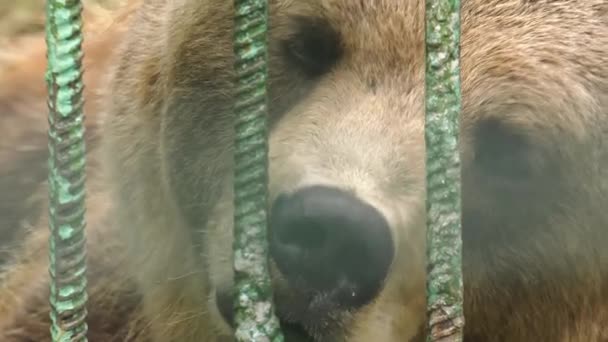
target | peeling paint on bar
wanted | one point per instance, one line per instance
(67, 253)
(443, 105)
(254, 315)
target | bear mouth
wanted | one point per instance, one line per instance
(292, 331)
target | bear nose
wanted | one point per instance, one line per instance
(329, 241)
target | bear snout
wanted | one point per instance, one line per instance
(327, 241)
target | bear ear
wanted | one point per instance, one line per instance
(314, 46)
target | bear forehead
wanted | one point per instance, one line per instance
(504, 49)
(348, 10)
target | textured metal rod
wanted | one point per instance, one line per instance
(254, 314)
(67, 252)
(443, 105)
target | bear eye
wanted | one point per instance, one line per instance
(313, 47)
(502, 152)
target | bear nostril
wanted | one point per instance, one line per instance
(329, 241)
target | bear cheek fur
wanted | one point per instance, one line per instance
(532, 256)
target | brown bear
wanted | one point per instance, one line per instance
(346, 175)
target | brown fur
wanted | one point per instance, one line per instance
(535, 261)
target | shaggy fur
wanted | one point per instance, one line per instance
(534, 124)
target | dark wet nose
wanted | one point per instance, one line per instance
(327, 240)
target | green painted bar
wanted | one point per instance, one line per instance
(443, 105)
(67, 253)
(254, 314)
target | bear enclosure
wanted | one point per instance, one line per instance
(254, 319)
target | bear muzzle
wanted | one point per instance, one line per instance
(332, 253)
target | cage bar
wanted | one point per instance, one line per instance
(66, 178)
(443, 105)
(254, 314)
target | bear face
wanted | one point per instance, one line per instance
(347, 166)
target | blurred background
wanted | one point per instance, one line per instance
(23, 110)
(19, 18)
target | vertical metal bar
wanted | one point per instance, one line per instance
(443, 105)
(254, 313)
(67, 252)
